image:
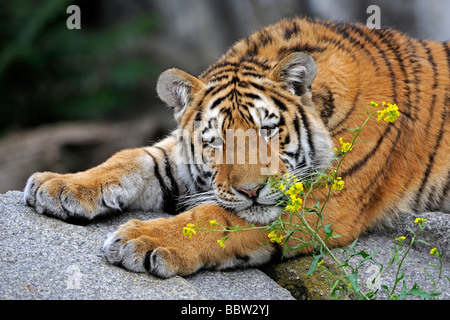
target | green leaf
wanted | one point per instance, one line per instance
(416, 291)
(400, 277)
(424, 242)
(353, 244)
(353, 279)
(316, 259)
(403, 292)
(328, 231)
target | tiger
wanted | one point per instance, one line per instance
(305, 81)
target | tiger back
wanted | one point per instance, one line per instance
(401, 167)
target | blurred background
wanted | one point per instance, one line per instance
(69, 99)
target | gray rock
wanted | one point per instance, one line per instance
(436, 233)
(45, 258)
(292, 274)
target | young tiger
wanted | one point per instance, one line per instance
(304, 82)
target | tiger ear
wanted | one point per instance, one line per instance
(297, 71)
(177, 88)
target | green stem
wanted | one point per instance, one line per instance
(328, 251)
(401, 263)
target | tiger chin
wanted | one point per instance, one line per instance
(298, 86)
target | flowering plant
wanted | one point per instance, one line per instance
(294, 197)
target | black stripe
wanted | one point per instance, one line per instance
(368, 198)
(217, 89)
(357, 165)
(387, 37)
(328, 104)
(447, 52)
(344, 29)
(298, 132)
(265, 38)
(286, 50)
(278, 252)
(305, 122)
(256, 86)
(279, 104)
(252, 47)
(252, 74)
(287, 140)
(220, 78)
(340, 30)
(444, 192)
(198, 116)
(217, 66)
(194, 165)
(434, 85)
(216, 102)
(431, 157)
(297, 127)
(168, 200)
(416, 70)
(388, 64)
(291, 31)
(220, 73)
(346, 116)
(252, 96)
(169, 173)
(253, 61)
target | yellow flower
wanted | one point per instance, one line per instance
(373, 104)
(188, 231)
(282, 187)
(296, 189)
(338, 184)
(299, 187)
(273, 237)
(296, 203)
(420, 220)
(221, 243)
(213, 223)
(390, 113)
(320, 263)
(345, 146)
(400, 239)
(434, 252)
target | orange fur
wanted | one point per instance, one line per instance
(399, 167)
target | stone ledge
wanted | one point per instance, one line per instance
(45, 258)
(292, 274)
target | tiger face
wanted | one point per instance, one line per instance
(243, 122)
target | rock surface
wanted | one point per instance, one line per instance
(45, 258)
(292, 274)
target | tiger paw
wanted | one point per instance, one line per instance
(71, 196)
(146, 246)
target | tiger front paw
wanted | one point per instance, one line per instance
(72, 196)
(146, 246)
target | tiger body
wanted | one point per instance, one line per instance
(306, 82)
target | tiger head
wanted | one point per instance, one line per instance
(242, 121)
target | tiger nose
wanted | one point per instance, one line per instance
(251, 193)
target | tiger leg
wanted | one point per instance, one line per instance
(129, 179)
(159, 246)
